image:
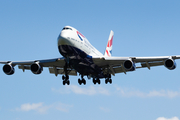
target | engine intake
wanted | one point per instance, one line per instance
(36, 68)
(170, 64)
(8, 69)
(129, 65)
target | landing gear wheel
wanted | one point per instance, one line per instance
(94, 81)
(106, 81)
(79, 81)
(68, 82)
(64, 82)
(110, 81)
(99, 82)
(84, 81)
(63, 77)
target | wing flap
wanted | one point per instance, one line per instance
(110, 61)
(152, 64)
(119, 69)
(57, 71)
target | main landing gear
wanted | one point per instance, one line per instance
(65, 79)
(82, 80)
(108, 79)
(96, 80)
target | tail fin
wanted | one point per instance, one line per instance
(108, 50)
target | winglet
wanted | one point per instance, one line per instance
(108, 50)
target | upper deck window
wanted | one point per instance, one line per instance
(66, 28)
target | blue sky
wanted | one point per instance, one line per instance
(29, 30)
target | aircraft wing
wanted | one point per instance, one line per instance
(56, 66)
(115, 65)
(44, 63)
(110, 65)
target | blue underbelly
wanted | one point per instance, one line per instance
(80, 61)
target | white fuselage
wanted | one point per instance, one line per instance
(72, 37)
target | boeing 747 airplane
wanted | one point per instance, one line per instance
(79, 56)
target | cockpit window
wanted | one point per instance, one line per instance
(66, 28)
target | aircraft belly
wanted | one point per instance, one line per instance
(79, 60)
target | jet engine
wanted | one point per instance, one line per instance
(36, 68)
(8, 69)
(170, 64)
(129, 65)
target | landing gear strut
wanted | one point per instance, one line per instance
(65, 77)
(82, 80)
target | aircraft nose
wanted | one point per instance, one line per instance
(63, 38)
(64, 34)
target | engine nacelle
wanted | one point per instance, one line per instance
(8, 69)
(129, 65)
(36, 68)
(170, 64)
